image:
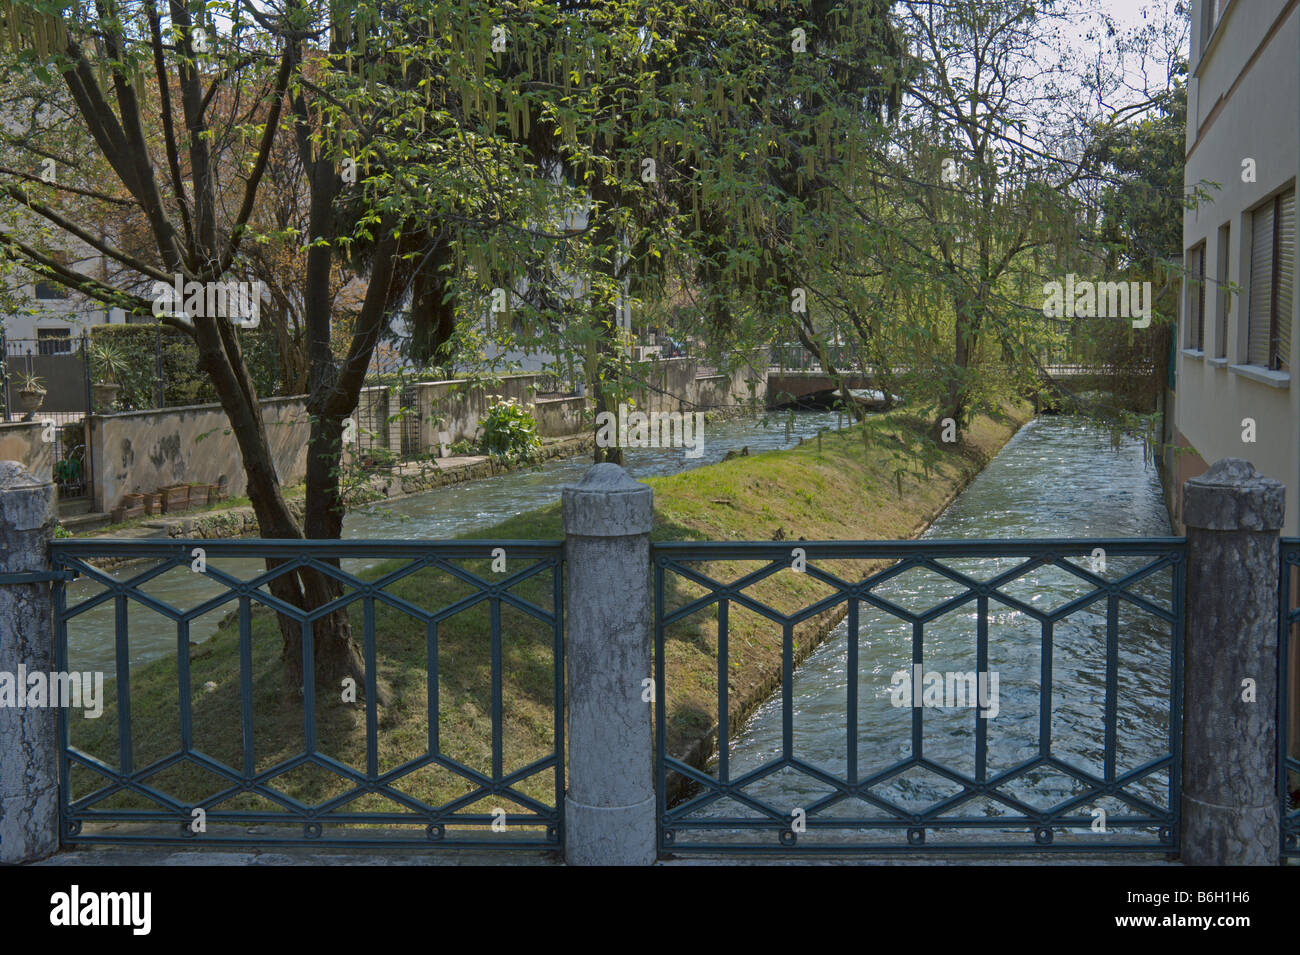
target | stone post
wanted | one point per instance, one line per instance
(29, 747)
(610, 804)
(1229, 800)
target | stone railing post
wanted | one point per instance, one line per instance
(1229, 802)
(610, 804)
(29, 748)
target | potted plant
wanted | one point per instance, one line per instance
(175, 497)
(31, 393)
(109, 366)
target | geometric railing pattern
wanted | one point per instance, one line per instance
(201, 741)
(1288, 704)
(1081, 753)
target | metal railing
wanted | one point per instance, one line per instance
(1287, 741)
(260, 763)
(974, 788)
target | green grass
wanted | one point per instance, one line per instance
(835, 488)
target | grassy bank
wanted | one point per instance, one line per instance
(835, 487)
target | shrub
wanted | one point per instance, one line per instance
(510, 433)
(183, 382)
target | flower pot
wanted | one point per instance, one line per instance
(105, 395)
(175, 497)
(31, 400)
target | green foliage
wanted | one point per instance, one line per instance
(108, 363)
(28, 382)
(135, 369)
(510, 433)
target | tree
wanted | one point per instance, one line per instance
(434, 180)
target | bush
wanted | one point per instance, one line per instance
(510, 433)
(183, 382)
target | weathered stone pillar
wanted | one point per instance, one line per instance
(610, 806)
(1230, 810)
(29, 803)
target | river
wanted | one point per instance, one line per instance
(1058, 477)
(433, 515)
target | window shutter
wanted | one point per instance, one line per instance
(1225, 300)
(1261, 286)
(1284, 287)
(1196, 298)
(1200, 304)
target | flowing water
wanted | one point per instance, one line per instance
(432, 515)
(1058, 477)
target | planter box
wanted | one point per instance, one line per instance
(201, 495)
(153, 503)
(175, 498)
(118, 514)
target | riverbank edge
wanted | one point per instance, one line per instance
(806, 640)
(241, 521)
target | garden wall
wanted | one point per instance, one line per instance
(21, 441)
(141, 451)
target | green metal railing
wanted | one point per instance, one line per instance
(1288, 746)
(854, 812)
(120, 792)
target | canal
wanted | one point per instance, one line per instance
(432, 515)
(1058, 477)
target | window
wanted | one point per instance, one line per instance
(1272, 283)
(1211, 13)
(47, 290)
(1224, 297)
(53, 341)
(1195, 285)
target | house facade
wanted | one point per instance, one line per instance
(1237, 353)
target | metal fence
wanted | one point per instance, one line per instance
(1288, 731)
(200, 726)
(61, 365)
(1072, 624)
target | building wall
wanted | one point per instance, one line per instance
(1243, 101)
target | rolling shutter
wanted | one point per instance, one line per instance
(1259, 323)
(1284, 286)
